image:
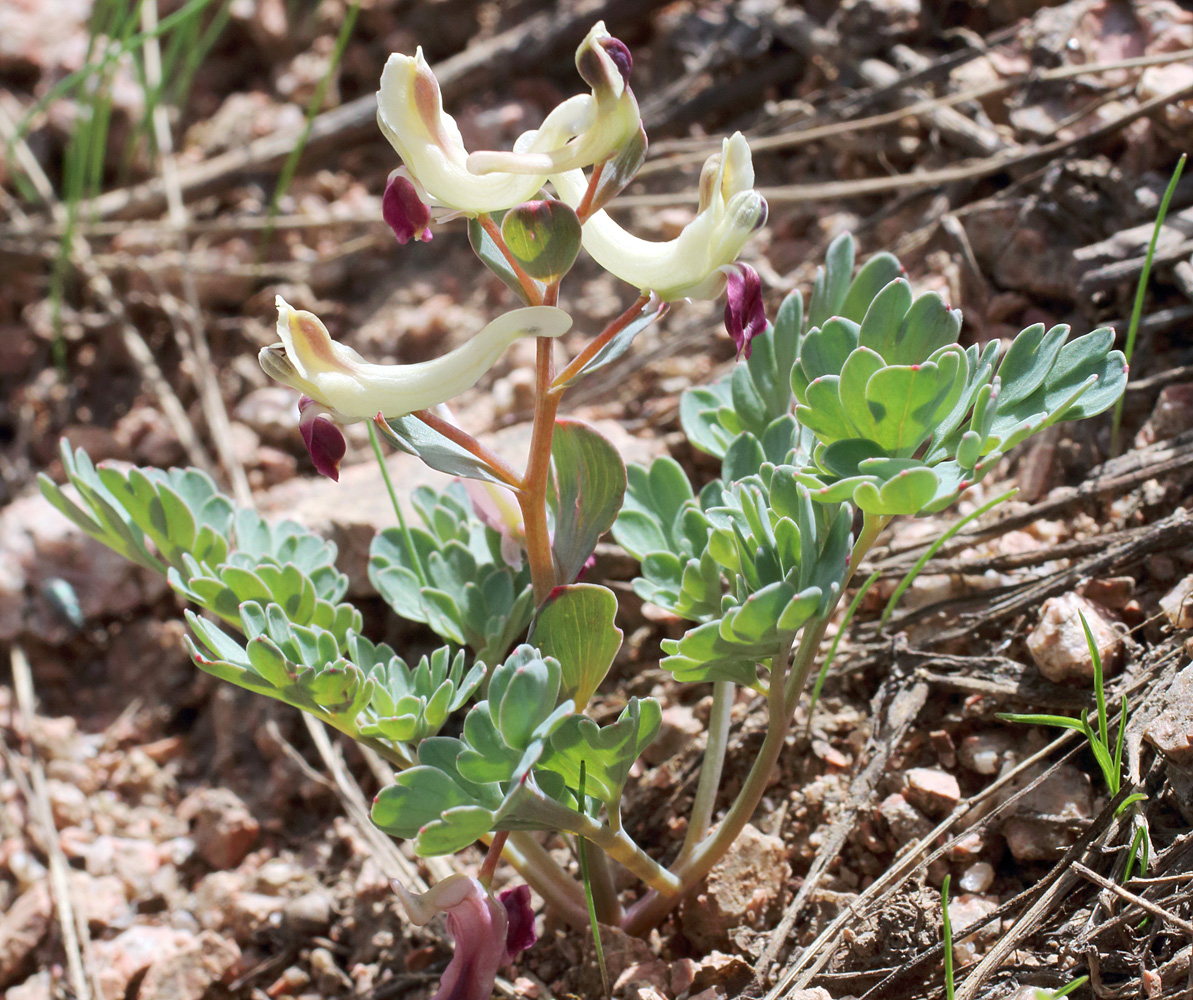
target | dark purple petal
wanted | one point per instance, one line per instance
(475, 925)
(745, 316)
(519, 932)
(324, 439)
(404, 211)
(619, 52)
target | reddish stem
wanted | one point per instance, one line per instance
(494, 463)
(529, 285)
(585, 208)
(489, 866)
(594, 346)
(533, 496)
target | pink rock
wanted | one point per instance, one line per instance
(1177, 604)
(744, 887)
(134, 862)
(931, 790)
(906, 823)
(190, 971)
(1171, 731)
(224, 829)
(129, 954)
(676, 731)
(22, 928)
(1058, 644)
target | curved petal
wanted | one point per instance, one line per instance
(730, 212)
(351, 388)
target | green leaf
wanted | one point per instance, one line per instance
(874, 275)
(576, 627)
(590, 484)
(607, 753)
(410, 435)
(832, 281)
(651, 310)
(491, 256)
(882, 324)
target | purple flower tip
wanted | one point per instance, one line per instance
(323, 437)
(745, 316)
(404, 211)
(619, 52)
(519, 931)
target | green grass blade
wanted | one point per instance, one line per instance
(935, 547)
(832, 651)
(948, 938)
(1043, 720)
(584, 874)
(1068, 987)
(1099, 680)
(1140, 289)
(313, 106)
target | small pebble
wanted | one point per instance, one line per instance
(978, 877)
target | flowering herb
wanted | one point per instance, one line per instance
(847, 410)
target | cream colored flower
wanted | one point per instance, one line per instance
(350, 388)
(690, 265)
(581, 131)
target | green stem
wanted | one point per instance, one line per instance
(711, 767)
(653, 906)
(407, 537)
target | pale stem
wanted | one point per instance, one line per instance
(604, 891)
(652, 907)
(393, 499)
(562, 894)
(457, 435)
(711, 767)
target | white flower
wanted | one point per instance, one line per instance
(580, 132)
(350, 388)
(690, 265)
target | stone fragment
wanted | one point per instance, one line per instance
(678, 728)
(985, 753)
(309, 913)
(729, 974)
(1058, 644)
(965, 911)
(1177, 604)
(223, 828)
(36, 987)
(743, 888)
(134, 862)
(189, 972)
(1113, 592)
(906, 823)
(56, 576)
(22, 928)
(931, 790)
(119, 961)
(1041, 830)
(1171, 730)
(978, 877)
(103, 901)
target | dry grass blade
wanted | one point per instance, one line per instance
(75, 937)
(1130, 897)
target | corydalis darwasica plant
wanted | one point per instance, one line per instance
(857, 407)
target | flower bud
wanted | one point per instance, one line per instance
(543, 236)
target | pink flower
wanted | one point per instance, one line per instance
(745, 317)
(404, 211)
(488, 932)
(324, 440)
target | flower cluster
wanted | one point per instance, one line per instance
(600, 132)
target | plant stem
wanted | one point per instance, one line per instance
(457, 435)
(532, 498)
(489, 866)
(562, 894)
(393, 498)
(591, 349)
(529, 286)
(711, 767)
(585, 208)
(652, 907)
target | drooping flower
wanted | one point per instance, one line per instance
(340, 386)
(404, 211)
(498, 508)
(581, 131)
(488, 932)
(745, 316)
(690, 265)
